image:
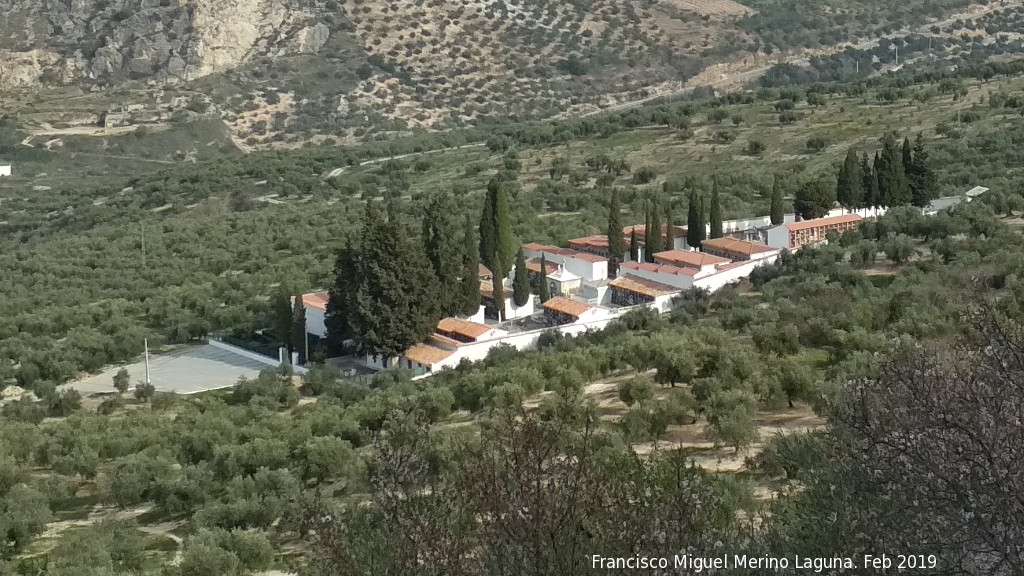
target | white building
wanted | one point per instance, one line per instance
(315, 304)
(5, 169)
(681, 278)
(586, 266)
(809, 232)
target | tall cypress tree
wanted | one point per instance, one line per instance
(777, 211)
(341, 297)
(441, 242)
(694, 222)
(892, 179)
(657, 240)
(498, 289)
(282, 313)
(647, 231)
(299, 337)
(544, 291)
(521, 282)
(396, 302)
(470, 279)
(634, 248)
(907, 156)
(716, 212)
(875, 183)
(504, 243)
(850, 182)
(670, 226)
(616, 244)
(923, 183)
(488, 238)
(702, 210)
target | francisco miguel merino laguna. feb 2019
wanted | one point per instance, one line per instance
(698, 564)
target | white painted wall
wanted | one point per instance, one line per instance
(5, 169)
(725, 277)
(681, 282)
(315, 322)
(479, 316)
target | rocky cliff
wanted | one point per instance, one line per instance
(103, 42)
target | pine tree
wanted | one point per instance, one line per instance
(634, 248)
(498, 290)
(657, 243)
(616, 244)
(341, 297)
(670, 226)
(299, 337)
(778, 215)
(716, 212)
(850, 183)
(442, 245)
(544, 291)
(521, 282)
(488, 238)
(395, 305)
(694, 222)
(504, 243)
(923, 183)
(470, 280)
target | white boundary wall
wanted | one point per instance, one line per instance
(253, 356)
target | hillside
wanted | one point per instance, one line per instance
(282, 73)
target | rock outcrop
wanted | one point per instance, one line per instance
(103, 43)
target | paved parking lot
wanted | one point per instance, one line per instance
(186, 371)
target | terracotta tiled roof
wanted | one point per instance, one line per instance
(819, 222)
(643, 286)
(689, 259)
(316, 300)
(641, 230)
(597, 242)
(483, 270)
(567, 306)
(427, 355)
(533, 265)
(660, 268)
(737, 246)
(565, 252)
(462, 328)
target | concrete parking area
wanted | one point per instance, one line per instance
(185, 371)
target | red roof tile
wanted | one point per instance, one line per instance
(462, 328)
(737, 246)
(686, 258)
(316, 300)
(567, 306)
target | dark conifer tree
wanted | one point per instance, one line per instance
(504, 243)
(470, 278)
(521, 282)
(616, 244)
(282, 313)
(498, 290)
(923, 183)
(443, 245)
(544, 291)
(488, 238)
(670, 223)
(892, 179)
(778, 213)
(850, 182)
(299, 337)
(634, 248)
(694, 222)
(657, 243)
(647, 231)
(716, 212)
(341, 297)
(396, 302)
